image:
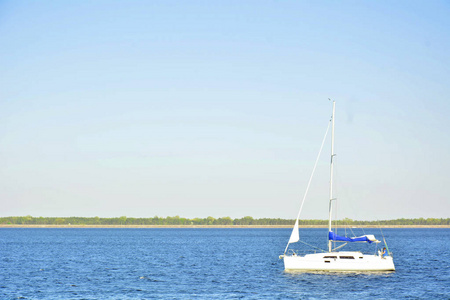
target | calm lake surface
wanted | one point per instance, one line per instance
(208, 264)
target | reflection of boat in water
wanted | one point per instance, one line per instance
(333, 260)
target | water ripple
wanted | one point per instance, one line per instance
(205, 264)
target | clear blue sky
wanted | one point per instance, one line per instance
(210, 108)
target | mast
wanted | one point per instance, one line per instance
(331, 175)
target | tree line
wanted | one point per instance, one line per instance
(177, 220)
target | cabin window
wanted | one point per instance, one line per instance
(330, 257)
(346, 257)
(360, 258)
(327, 261)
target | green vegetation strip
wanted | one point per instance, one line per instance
(225, 221)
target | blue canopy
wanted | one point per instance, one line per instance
(365, 238)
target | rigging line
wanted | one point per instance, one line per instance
(312, 246)
(309, 182)
(384, 240)
(348, 196)
(314, 169)
(379, 226)
(351, 229)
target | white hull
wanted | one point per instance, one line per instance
(338, 261)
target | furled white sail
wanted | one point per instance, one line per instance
(294, 235)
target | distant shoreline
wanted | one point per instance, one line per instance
(214, 226)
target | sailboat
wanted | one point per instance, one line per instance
(333, 260)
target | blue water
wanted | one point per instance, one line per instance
(206, 264)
